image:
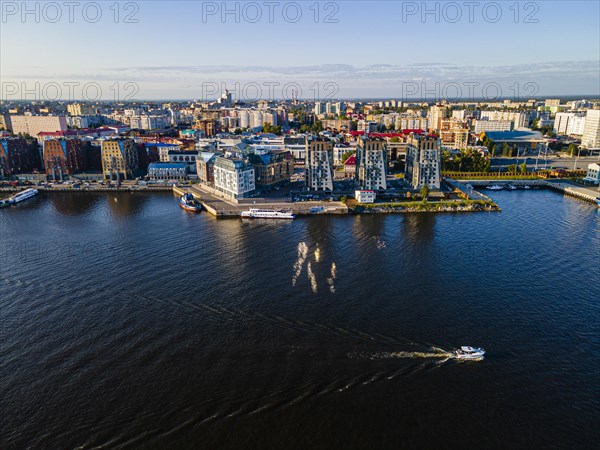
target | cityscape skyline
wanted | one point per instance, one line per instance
(322, 46)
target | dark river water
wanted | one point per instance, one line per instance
(126, 322)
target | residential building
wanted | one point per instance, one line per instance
(119, 159)
(367, 127)
(350, 166)
(482, 125)
(234, 177)
(272, 168)
(454, 133)
(32, 125)
(435, 115)
(319, 165)
(167, 171)
(423, 161)
(591, 132)
(205, 166)
(17, 156)
(371, 164)
(77, 109)
(64, 157)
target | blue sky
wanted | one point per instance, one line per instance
(366, 49)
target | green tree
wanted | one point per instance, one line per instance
(523, 167)
(347, 155)
(512, 168)
(424, 193)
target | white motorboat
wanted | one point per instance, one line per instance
(512, 187)
(526, 187)
(494, 187)
(255, 213)
(467, 352)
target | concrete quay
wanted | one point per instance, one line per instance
(222, 207)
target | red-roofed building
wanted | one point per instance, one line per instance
(350, 165)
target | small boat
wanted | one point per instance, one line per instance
(467, 352)
(494, 187)
(512, 187)
(189, 203)
(526, 187)
(255, 213)
(23, 195)
(469, 186)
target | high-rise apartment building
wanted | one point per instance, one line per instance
(423, 161)
(319, 165)
(371, 164)
(591, 131)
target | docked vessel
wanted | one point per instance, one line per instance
(495, 187)
(254, 213)
(5, 202)
(512, 187)
(189, 203)
(23, 195)
(467, 352)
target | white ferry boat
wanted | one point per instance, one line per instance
(24, 195)
(255, 213)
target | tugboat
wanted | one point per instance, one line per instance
(467, 352)
(189, 203)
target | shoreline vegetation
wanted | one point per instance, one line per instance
(420, 206)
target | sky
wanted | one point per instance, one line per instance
(313, 50)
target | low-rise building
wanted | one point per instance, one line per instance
(167, 171)
(493, 125)
(365, 196)
(593, 174)
(234, 177)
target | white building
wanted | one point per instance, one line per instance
(519, 119)
(371, 164)
(492, 125)
(593, 173)
(234, 177)
(33, 125)
(569, 123)
(367, 127)
(591, 132)
(319, 165)
(365, 196)
(423, 162)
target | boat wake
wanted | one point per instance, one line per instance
(442, 354)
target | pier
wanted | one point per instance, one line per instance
(222, 207)
(566, 187)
